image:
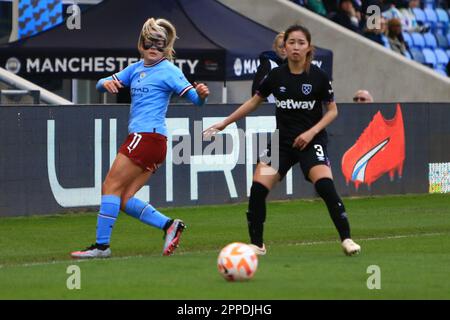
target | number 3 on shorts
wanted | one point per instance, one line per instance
(319, 150)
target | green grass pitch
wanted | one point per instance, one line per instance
(407, 237)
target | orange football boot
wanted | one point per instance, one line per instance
(379, 149)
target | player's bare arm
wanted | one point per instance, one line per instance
(249, 106)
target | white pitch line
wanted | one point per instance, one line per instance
(310, 243)
(414, 235)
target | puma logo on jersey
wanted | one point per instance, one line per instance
(292, 104)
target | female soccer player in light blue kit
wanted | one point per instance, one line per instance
(152, 81)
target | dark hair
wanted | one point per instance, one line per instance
(392, 23)
(305, 31)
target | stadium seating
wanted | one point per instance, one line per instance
(431, 17)
(408, 55)
(441, 72)
(420, 15)
(428, 4)
(430, 40)
(443, 20)
(441, 41)
(385, 41)
(408, 39)
(442, 15)
(417, 55)
(430, 57)
(431, 48)
(418, 40)
(441, 57)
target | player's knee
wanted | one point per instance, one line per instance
(327, 191)
(124, 200)
(111, 186)
(258, 191)
(324, 186)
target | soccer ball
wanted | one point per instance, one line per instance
(237, 262)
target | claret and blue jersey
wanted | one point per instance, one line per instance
(151, 87)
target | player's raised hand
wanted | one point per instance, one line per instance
(202, 90)
(112, 86)
(211, 131)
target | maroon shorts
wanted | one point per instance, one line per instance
(147, 150)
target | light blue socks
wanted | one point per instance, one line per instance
(146, 213)
(109, 210)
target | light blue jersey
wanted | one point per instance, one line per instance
(151, 87)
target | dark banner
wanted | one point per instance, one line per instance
(244, 67)
(54, 159)
(209, 65)
(206, 66)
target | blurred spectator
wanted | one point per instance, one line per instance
(362, 96)
(395, 36)
(331, 6)
(269, 60)
(392, 12)
(316, 6)
(299, 2)
(377, 34)
(347, 16)
(409, 21)
(357, 4)
(448, 69)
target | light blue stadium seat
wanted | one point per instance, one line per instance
(442, 15)
(430, 40)
(408, 55)
(448, 53)
(430, 58)
(418, 40)
(417, 55)
(441, 40)
(430, 15)
(441, 72)
(443, 21)
(441, 56)
(385, 41)
(420, 15)
(429, 4)
(448, 38)
(407, 38)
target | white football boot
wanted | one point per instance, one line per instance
(172, 237)
(94, 251)
(260, 251)
(350, 247)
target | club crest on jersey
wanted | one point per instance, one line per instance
(306, 89)
(142, 75)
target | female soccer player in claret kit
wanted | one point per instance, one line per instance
(300, 90)
(152, 80)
